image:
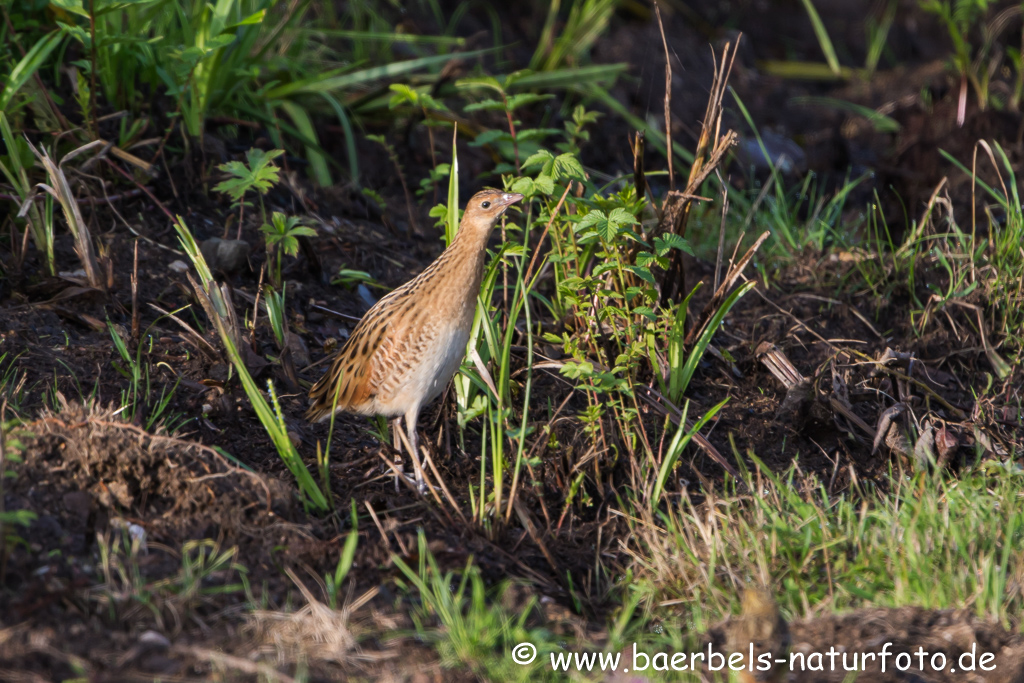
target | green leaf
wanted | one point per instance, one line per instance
(620, 217)
(665, 243)
(572, 78)
(597, 220)
(259, 175)
(645, 258)
(574, 370)
(542, 158)
(404, 94)
(480, 82)
(273, 421)
(485, 105)
(283, 232)
(606, 225)
(523, 186)
(488, 137)
(568, 166)
(642, 273)
(526, 98)
(679, 442)
(646, 311)
(544, 184)
(823, 39)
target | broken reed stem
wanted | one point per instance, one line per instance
(704, 161)
(711, 149)
(639, 176)
(721, 230)
(668, 100)
(135, 295)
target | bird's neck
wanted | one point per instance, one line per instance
(470, 243)
(462, 263)
(464, 258)
(472, 236)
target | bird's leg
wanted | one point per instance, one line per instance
(414, 444)
(396, 431)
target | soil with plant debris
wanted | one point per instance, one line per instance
(204, 471)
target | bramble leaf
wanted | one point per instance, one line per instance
(259, 174)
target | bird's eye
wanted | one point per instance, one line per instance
(486, 205)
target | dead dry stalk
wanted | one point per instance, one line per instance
(723, 289)
(313, 631)
(711, 149)
(668, 101)
(61, 191)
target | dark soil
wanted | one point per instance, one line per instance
(956, 635)
(93, 478)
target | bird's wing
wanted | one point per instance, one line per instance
(352, 369)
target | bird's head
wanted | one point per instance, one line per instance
(485, 208)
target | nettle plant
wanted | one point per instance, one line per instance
(604, 289)
(604, 267)
(513, 142)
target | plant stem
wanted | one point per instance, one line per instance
(92, 70)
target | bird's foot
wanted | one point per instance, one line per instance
(421, 486)
(400, 469)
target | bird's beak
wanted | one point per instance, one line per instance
(510, 198)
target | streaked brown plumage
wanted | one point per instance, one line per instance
(407, 347)
(759, 630)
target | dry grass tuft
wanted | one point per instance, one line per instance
(314, 632)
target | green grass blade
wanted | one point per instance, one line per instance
(317, 160)
(705, 338)
(28, 65)
(383, 36)
(822, 35)
(679, 442)
(350, 138)
(881, 122)
(363, 77)
(452, 227)
(575, 79)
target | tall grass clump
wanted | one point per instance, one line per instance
(929, 541)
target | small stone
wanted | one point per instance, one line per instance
(78, 503)
(226, 256)
(152, 639)
(137, 533)
(298, 348)
(364, 294)
(785, 154)
(219, 372)
(294, 438)
(179, 267)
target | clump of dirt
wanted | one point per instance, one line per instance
(85, 470)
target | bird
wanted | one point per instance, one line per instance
(759, 630)
(404, 351)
